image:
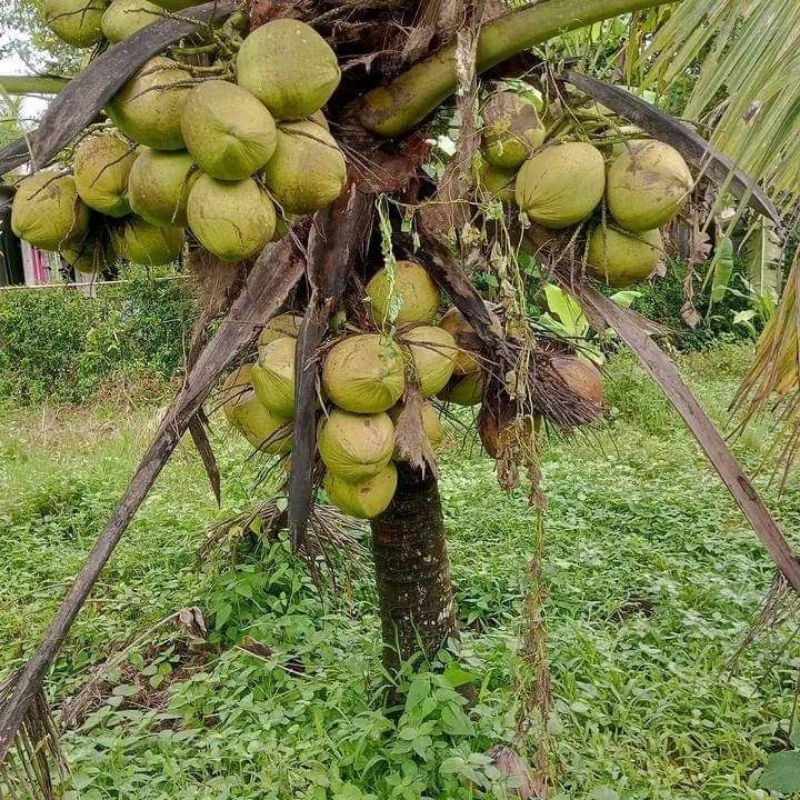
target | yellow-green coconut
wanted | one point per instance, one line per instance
(512, 130)
(47, 211)
(123, 18)
(497, 182)
(101, 167)
(409, 288)
(148, 108)
(273, 376)
(279, 327)
(364, 373)
(159, 186)
(465, 358)
(77, 22)
(91, 256)
(433, 353)
(231, 219)
(620, 258)
(465, 390)
(307, 171)
(365, 499)
(561, 185)
(289, 67)
(648, 184)
(142, 243)
(354, 447)
(227, 131)
(260, 427)
(431, 425)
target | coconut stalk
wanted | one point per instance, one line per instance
(32, 84)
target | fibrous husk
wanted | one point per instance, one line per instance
(512, 130)
(123, 18)
(264, 430)
(364, 374)
(289, 67)
(278, 327)
(408, 288)
(620, 258)
(466, 356)
(365, 499)
(497, 182)
(648, 184)
(431, 426)
(228, 132)
(561, 185)
(148, 108)
(159, 186)
(77, 22)
(231, 219)
(47, 211)
(582, 377)
(142, 243)
(307, 171)
(354, 447)
(273, 376)
(465, 390)
(433, 355)
(101, 167)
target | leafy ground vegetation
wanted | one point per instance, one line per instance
(653, 581)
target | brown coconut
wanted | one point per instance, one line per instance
(101, 167)
(620, 258)
(273, 376)
(433, 357)
(354, 447)
(142, 243)
(159, 185)
(76, 22)
(409, 288)
(467, 341)
(365, 499)
(512, 130)
(582, 377)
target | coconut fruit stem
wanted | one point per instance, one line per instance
(32, 84)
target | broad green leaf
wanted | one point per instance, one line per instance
(782, 772)
(566, 311)
(457, 676)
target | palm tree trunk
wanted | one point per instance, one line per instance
(412, 570)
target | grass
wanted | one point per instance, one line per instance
(653, 579)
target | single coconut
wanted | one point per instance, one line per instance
(77, 22)
(648, 184)
(264, 430)
(289, 67)
(159, 186)
(409, 288)
(320, 119)
(512, 130)
(364, 373)
(228, 132)
(431, 425)
(273, 376)
(142, 243)
(91, 256)
(433, 352)
(465, 358)
(232, 220)
(355, 446)
(582, 377)
(123, 18)
(278, 327)
(561, 185)
(307, 171)
(148, 108)
(365, 499)
(101, 167)
(466, 390)
(47, 211)
(497, 182)
(620, 258)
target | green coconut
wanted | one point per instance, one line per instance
(620, 258)
(512, 130)
(159, 186)
(307, 171)
(91, 256)
(279, 327)
(264, 430)
(101, 167)
(408, 287)
(289, 67)
(561, 185)
(354, 447)
(465, 390)
(47, 211)
(431, 425)
(364, 373)
(148, 108)
(142, 243)
(497, 182)
(433, 352)
(231, 219)
(123, 18)
(228, 132)
(365, 499)
(77, 22)
(648, 184)
(465, 358)
(273, 376)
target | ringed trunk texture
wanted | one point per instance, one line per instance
(412, 570)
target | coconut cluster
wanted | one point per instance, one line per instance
(620, 196)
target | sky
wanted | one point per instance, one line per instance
(13, 65)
